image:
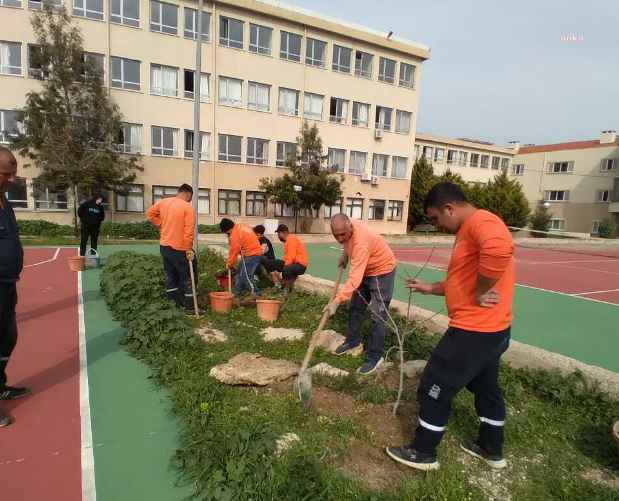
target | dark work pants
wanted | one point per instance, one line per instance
(378, 290)
(177, 274)
(91, 232)
(462, 359)
(289, 271)
(8, 326)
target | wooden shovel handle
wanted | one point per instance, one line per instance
(229, 280)
(321, 325)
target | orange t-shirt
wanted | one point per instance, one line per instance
(175, 218)
(243, 239)
(484, 247)
(369, 256)
(294, 251)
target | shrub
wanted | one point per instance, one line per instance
(606, 229)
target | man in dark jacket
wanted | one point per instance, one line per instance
(11, 264)
(91, 214)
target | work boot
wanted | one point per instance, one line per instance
(9, 392)
(496, 461)
(411, 457)
(4, 420)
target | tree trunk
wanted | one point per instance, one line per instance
(296, 218)
(75, 218)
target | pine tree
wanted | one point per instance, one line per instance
(504, 197)
(540, 221)
(70, 124)
(422, 179)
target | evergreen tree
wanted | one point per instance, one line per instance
(422, 179)
(540, 220)
(504, 197)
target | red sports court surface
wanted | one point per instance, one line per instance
(589, 273)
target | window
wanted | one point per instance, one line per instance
(462, 158)
(229, 202)
(336, 160)
(129, 138)
(485, 159)
(312, 106)
(560, 167)
(474, 159)
(229, 148)
(439, 155)
(38, 4)
(416, 150)
(18, 193)
(257, 151)
(163, 17)
(360, 114)
(163, 80)
(341, 59)
(290, 47)
(191, 25)
(93, 64)
(47, 198)
(557, 195)
(90, 9)
(125, 73)
(284, 150)
(8, 126)
(395, 210)
(505, 164)
(205, 144)
(386, 70)
(603, 196)
(230, 92)
(204, 201)
(356, 162)
(557, 224)
(338, 110)
(190, 85)
(376, 210)
(379, 164)
(383, 118)
(451, 157)
(595, 227)
(10, 58)
(161, 192)
(403, 122)
(133, 201)
(398, 167)
(608, 164)
(10, 3)
(407, 75)
(354, 207)
(332, 210)
(496, 163)
(255, 203)
(164, 141)
(315, 52)
(517, 170)
(230, 32)
(288, 102)
(35, 63)
(260, 39)
(125, 12)
(284, 210)
(363, 64)
(259, 97)
(427, 152)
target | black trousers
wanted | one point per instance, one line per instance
(462, 359)
(8, 326)
(288, 271)
(177, 274)
(91, 232)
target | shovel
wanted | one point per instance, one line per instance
(193, 289)
(229, 280)
(303, 383)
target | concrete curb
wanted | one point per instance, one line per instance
(518, 355)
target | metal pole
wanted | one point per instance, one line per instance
(197, 142)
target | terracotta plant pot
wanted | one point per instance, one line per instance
(268, 309)
(221, 302)
(616, 434)
(76, 263)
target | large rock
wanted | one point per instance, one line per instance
(329, 340)
(284, 443)
(210, 335)
(273, 334)
(328, 370)
(414, 368)
(252, 369)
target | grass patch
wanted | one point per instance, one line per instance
(557, 427)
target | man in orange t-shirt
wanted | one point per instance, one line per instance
(175, 218)
(371, 276)
(478, 293)
(243, 240)
(294, 263)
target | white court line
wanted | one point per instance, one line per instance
(89, 492)
(595, 292)
(607, 260)
(587, 269)
(47, 261)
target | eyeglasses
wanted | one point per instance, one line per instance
(433, 219)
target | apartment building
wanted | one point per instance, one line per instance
(578, 179)
(265, 68)
(475, 161)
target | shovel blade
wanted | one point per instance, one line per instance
(303, 388)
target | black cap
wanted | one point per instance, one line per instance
(282, 227)
(226, 224)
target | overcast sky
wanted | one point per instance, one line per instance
(498, 70)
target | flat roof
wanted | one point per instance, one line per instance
(474, 144)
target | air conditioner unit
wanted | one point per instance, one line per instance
(375, 180)
(378, 133)
(366, 176)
